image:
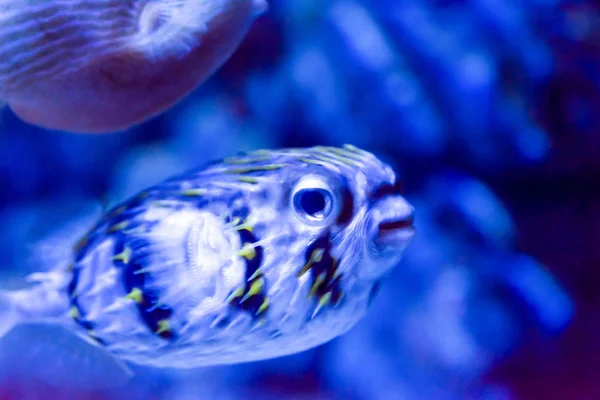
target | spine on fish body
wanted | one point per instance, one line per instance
(150, 281)
(94, 295)
(130, 291)
(136, 285)
(115, 293)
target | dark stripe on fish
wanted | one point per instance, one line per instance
(77, 312)
(325, 281)
(252, 296)
(156, 316)
(347, 208)
(387, 189)
(114, 220)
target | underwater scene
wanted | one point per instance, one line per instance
(352, 199)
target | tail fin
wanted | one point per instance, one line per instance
(40, 302)
(45, 298)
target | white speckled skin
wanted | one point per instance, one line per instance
(189, 254)
(104, 65)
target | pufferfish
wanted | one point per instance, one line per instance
(265, 254)
(106, 65)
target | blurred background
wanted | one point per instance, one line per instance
(489, 110)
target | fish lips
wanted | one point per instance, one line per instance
(395, 233)
(392, 224)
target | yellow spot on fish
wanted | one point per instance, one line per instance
(165, 203)
(339, 153)
(332, 158)
(247, 179)
(135, 231)
(194, 192)
(237, 293)
(254, 275)
(118, 211)
(315, 257)
(247, 251)
(118, 227)
(136, 295)
(357, 153)
(244, 160)
(323, 301)
(348, 161)
(344, 153)
(255, 288)
(318, 282)
(310, 161)
(323, 158)
(263, 306)
(246, 226)
(336, 271)
(163, 326)
(81, 243)
(124, 256)
(339, 300)
(255, 168)
(261, 152)
(236, 161)
(352, 148)
(258, 324)
(74, 312)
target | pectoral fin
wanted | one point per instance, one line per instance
(59, 357)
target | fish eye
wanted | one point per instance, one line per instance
(313, 203)
(312, 200)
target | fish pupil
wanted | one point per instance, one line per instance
(313, 202)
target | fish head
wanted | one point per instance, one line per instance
(348, 198)
(329, 222)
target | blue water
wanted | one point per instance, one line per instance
(469, 100)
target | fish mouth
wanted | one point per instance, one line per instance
(395, 232)
(392, 225)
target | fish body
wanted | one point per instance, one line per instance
(105, 65)
(261, 255)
